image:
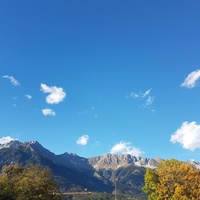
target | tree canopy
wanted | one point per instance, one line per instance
(32, 182)
(174, 180)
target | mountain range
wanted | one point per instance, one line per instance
(75, 173)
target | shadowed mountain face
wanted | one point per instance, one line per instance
(68, 174)
(75, 173)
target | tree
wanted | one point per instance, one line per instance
(9, 177)
(151, 181)
(32, 182)
(174, 180)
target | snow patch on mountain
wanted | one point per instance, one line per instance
(8, 142)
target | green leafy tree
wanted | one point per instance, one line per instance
(173, 180)
(151, 182)
(23, 183)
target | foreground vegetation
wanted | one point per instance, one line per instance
(172, 180)
(27, 183)
(33, 182)
(36, 183)
(103, 196)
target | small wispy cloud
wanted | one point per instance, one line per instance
(48, 111)
(188, 135)
(149, 101)
(57, 94)
(28, 96)
(12, 80)
(191, 80)
(146, 93)
(140, 94)
(126, 148)
(83, 140)
(92, 111)
(143, 95)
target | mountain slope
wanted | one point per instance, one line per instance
(68, 177)
(75, 173)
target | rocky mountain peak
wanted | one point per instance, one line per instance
(37, 148)
(113, 161)
(32, 144)
(194, 163)
(106, 161)
(7, 142)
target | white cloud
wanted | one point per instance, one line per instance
(48, 111)
(188, 135)
(12, 80)
(147, 93)
(56, 95)
(28, 96)
(83, 140)
(149, 101)
(7, 139)
(125, 148)
(191, 79)
(139, 94)
(143, 95)
(134, 95)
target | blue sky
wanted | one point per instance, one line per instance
(92, 77)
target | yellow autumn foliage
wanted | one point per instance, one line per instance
(172, 180)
